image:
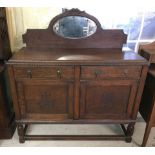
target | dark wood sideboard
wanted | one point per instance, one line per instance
(147, 106)
(7, 122)
(64, 80)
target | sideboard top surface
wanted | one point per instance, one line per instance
(82, 56)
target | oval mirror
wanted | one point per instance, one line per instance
(74, 27)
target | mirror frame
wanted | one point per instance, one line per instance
(74, 12)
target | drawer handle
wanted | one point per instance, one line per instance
(97, 73)
(59, 73)
(29, 73)
(125, 72)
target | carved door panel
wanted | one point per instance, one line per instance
(107, 99)
(43, 99)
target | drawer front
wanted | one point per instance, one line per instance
(99, 72)
(53, 72)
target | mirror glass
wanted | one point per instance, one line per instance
(74, 27)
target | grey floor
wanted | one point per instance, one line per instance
(82, 129)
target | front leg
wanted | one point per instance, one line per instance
(20, 129)
(129, 132)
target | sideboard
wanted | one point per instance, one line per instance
(63, 77)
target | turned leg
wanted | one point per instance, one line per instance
(129, 132)
(147, 132)
(20, 129)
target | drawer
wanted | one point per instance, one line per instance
(99, 72)
(54, 72)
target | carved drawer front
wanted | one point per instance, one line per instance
(54, 72)
(99, 72)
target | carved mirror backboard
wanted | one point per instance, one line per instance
(75, 29)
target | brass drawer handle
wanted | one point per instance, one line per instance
(59, 73)
(29, 73)
(125, 72)
(97, 73)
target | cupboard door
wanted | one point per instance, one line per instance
(43, 99)
(107, 99)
